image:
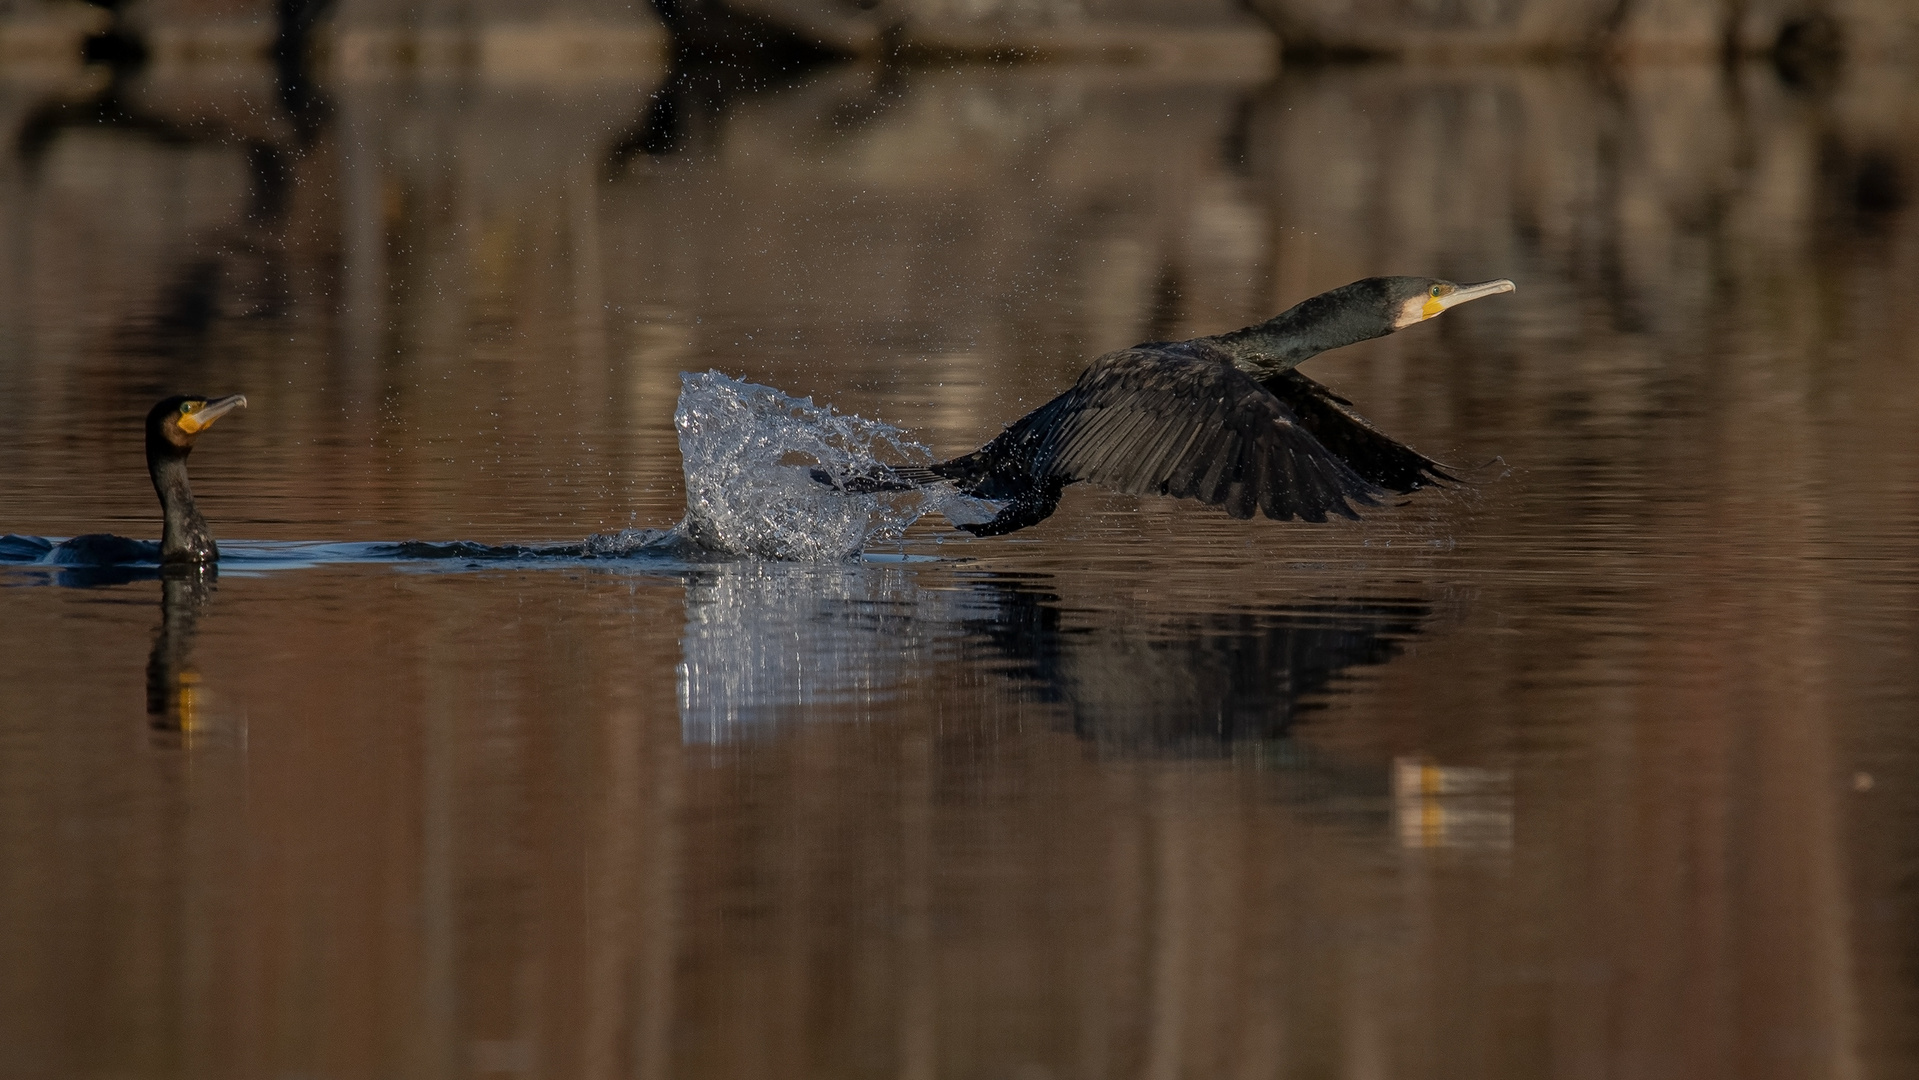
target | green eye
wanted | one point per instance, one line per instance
(1436, 291)
(186, 407)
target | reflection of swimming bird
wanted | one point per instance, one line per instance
(1224, 419)
(172, 426)
(173, 684)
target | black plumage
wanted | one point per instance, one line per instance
(1224, 420)
(185, 538)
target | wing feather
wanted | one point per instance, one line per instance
(1184, 421)
(1166, 461)
(1371, 453)
(1114, 453)
(1185, 477)
(1212, 485)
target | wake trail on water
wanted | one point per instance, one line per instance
(748, 453)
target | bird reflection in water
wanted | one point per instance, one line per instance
(1188, 684)
(173, 683)
(175, 700)
(766, 645)
(1455, 806)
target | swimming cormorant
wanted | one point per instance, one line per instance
(172, 426)
(1222, 419)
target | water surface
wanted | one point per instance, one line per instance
(1602, 765)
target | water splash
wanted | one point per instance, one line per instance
(749, 451)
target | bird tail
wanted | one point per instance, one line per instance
(987, 473)
(920, 475)
(881, 479)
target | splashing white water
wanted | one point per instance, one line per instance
(749, 452)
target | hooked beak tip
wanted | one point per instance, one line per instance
(214, 410)
(1478, 290)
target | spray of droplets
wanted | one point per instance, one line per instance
(750, 451)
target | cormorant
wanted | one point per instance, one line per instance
(172, 426)
(1222, 419)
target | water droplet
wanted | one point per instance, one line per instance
(749, 451)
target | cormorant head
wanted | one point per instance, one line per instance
(1415, 299)
(1368, 308)
(178, 420)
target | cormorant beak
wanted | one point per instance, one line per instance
(202, 418)
(1444, 296)
(1474, 291)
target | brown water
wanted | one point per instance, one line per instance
(1605, 765)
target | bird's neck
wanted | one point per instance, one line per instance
(185, 536)
(1305, 330)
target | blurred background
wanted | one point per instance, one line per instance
(1603, 765)
(350, 202)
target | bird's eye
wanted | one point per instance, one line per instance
(186, 407)
(1436, 292)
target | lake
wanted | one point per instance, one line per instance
(1601, 763)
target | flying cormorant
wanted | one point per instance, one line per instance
(172, 426)
(1222, 419)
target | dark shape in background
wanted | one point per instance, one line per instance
(191, 299)
(713, 33)
(1808, 51)
(718, 55)
(117, 45)
(292, 55)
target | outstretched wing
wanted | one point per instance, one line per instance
(1373, 454)
(1183, 421)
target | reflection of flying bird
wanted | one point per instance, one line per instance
(172, 426)
(1223, 419)
(767, 646)
(1192, 684)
